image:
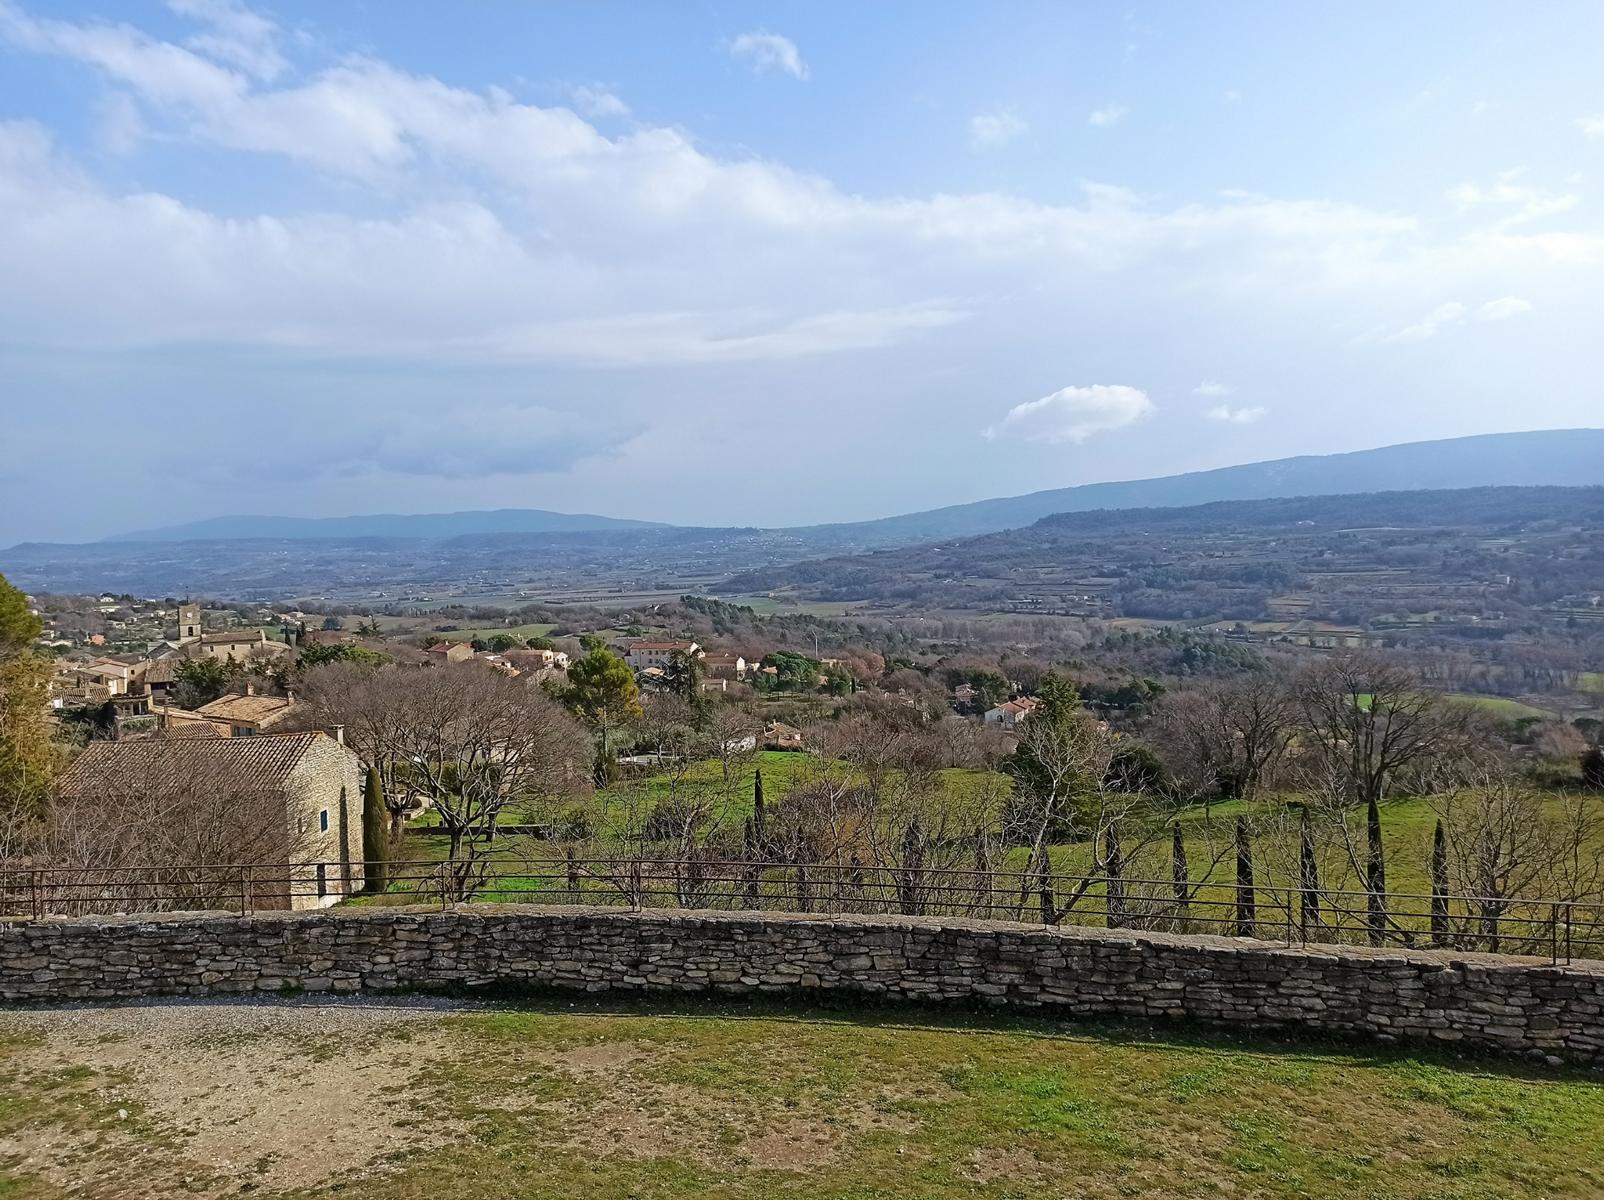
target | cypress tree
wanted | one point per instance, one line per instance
(751, 886)
(1181, 875)
(1439, 886)
(1376, 874)
(375, 835)
(1308, 879)
(913, 862)
(757, 806)
(1246, 914)
(1114, 874)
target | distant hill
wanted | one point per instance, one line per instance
(1559, 457)
(1458, 555)
(385, 525)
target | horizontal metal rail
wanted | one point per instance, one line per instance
(1556, 929)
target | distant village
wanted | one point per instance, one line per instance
(128, 667)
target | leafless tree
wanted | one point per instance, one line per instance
(1228, 738)
(472, 741)
(1505, 841)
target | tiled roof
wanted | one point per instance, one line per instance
(259, 763)
(253, 710)
(160, 670)
(646, 645)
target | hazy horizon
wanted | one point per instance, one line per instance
(800, 266)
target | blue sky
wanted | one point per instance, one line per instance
(777, 263)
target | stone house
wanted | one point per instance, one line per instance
(646, 653)
(446, 653)
(248, 713)
(297, 796)
(1011, 713)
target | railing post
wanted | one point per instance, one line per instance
(244, 897)
(1553, 933)
(37, 894)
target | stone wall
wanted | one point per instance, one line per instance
(1520, 1006)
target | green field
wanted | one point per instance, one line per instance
(542, 1101)
(523, 867)
(521, 632)
(1505, 709)
(1592, 681)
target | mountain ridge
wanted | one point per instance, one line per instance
(1562, 457)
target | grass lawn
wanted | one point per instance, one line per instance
(560, 1099)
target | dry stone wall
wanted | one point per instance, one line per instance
(1520, 1006)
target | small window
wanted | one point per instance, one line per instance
(323, 820)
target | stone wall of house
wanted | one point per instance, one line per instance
(1520, 1006)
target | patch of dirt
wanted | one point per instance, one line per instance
(1011, 1165)
(263, 1095)
(630, 1113)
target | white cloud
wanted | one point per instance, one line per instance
(1073, 414)
(769, 52)
(1107, 116)
(1210, 389)
(235, 35)
(594, 100)
(601, 252)
(1455, 313)
(1502, 309)
(1591, 126)
(1523, 203)
(1245, 415)
(996, 127)
(1443, 315)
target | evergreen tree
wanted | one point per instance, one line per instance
(28, 752)
(758, 813)
(1375, 873)
(375, 835)
(1308, 878)
(1180, 874)
(1246, 908)
(1439, 886)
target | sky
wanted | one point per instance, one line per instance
(782, 263)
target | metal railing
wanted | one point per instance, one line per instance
(1559, 930)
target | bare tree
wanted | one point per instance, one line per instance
(1367, 722)
(472, 741)
(1504, 841)
(1228, 738)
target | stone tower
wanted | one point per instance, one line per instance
(189, 622)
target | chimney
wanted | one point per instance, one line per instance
(289, 694)
(339, 733)
(250, 689)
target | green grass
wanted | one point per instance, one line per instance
(1504, 709)
(562, 1099)
(1407, 825)
(1591, 681)
(522, 632)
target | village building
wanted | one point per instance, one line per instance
(447, 653)
(1011, 713)
(647, 653)
(724, 663)
(248, 713)
(306, 786)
